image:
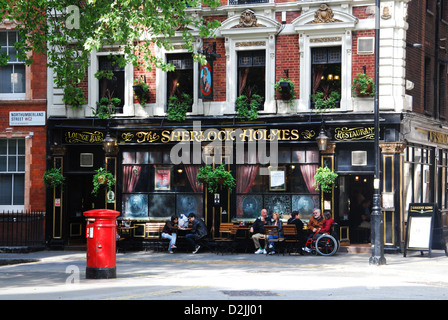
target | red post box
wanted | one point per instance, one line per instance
(101, 243)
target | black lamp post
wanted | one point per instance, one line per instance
(376, 218)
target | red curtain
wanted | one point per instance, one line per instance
(192, 172)
(245, 177)
(130, 177)
(308, 172)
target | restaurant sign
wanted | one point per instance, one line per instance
(352, 134)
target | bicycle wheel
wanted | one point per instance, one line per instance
(326, 245)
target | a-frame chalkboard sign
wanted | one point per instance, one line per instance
(424, 230)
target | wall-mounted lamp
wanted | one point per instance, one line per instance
(322, 140)
(110, 145)
(330, 77)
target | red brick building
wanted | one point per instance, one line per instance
(321, 48)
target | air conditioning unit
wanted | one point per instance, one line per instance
(366, 45)
(86, 160)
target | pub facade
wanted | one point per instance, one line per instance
(321, 48)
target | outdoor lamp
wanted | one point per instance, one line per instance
(330, 77)
(109, 144)
(322, 140)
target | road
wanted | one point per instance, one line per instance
(60, 275)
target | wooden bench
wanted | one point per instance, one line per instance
(153, 236)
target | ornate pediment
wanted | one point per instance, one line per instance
(324, 15)
(248, 19)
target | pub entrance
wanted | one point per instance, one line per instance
(355, 205)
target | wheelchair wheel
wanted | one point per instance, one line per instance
(326, 245)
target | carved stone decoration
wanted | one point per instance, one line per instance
(248, 19)
(324, 15)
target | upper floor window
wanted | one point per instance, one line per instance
(12, 75)
(252, 73)
(237, 2)
(181, 80)
(326, 70)
(111, 87)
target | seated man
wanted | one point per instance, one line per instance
(316, 221)
(257, 230)
(198, 231)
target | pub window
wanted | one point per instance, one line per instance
(12, 75)
(111, 86)
(255, 191)
(252, 73)
(12, 174)
(180, 81)
(156, 189)
(326, 71)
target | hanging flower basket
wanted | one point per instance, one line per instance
(102, 178)
(53, 178)
(324, 179)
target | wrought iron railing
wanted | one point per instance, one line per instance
(19, 229)
(238, 2)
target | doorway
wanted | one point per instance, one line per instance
(80, 199)
(355, 205)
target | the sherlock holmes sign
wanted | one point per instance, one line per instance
(208, 135)
(239, 135)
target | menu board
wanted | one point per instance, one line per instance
(424, 230)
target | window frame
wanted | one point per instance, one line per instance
(14, 95)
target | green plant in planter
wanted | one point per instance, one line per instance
(73, 96)
(141, 91)
(216, 178)
(286, 89)
(102, 178)
(177, 107)
(106, 107)
(363, 85)
(322, 104)
(324, 179)
(53, 178)
(247, 108)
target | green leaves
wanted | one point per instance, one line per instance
(68, 31)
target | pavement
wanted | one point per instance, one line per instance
(202, 277)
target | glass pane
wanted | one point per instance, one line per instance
(12, 147)
(155, 157)
(19, 189)
(5, 79)
(2, 38)
(12, 165)
(3, 146)
(21, 146)
(142, 157)
(128, 157)
(21, 163)
(5, 189)
(18, 78)
(3, 163)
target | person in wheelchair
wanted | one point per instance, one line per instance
(316, 221)
(328, 221)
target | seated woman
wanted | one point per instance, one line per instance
(326, 226)
(276, 222)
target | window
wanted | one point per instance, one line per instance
(113, 87)
(154, 188)
(12, 75)
(12, 174)
(180, 80)
(252, 73)
(326, 70)
(427, 90)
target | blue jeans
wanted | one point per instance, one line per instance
(272, 237)
(172, 237)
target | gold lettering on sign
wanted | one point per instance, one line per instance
(350, 134)
(438, 137)
(84, 137)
